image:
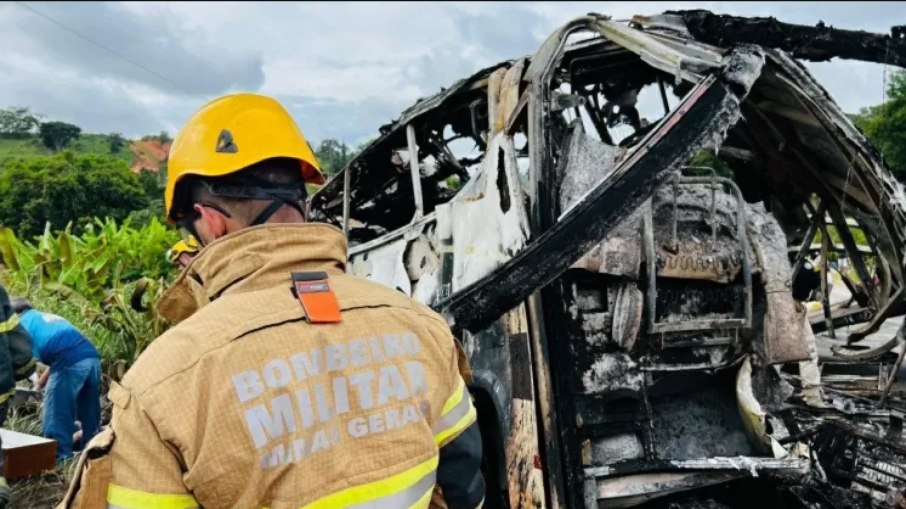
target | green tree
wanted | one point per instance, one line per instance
(333, 155)
(117, 142)
(163, 137)
(57, 135)
(706, 158)
(885, 125)
(66, 187)
(18, 122)
(152, 183)
(162, 171)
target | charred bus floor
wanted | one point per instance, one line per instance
(634, 320)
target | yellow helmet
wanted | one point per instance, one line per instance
(229, 134)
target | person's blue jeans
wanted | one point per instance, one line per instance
(73, 393)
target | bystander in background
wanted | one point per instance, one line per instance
(73, 382)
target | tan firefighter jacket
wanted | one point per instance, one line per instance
(247, 403)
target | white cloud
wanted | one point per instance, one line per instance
(344, 69)
(342, 83)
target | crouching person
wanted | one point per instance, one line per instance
(73, 382)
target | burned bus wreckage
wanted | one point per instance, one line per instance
(636, 324)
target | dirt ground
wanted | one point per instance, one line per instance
(43, 492)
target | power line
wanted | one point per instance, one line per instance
(114, 52)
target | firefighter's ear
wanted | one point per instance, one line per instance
(211, 223)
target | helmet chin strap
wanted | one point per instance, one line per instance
(273, 208)
(267, 212)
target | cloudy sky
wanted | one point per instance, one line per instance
(341, 69)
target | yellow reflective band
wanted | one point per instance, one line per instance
(119, 497)
(6, 396)
(9, 324)
(453, 415)
(27, 367)
(467, 420)
(458, 413)
(454, 400)
(389, 493)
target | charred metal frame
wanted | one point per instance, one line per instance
(532, 280)
(414, 172)
(346, 202)
(588, 222)
(818, 43)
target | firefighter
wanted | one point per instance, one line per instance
(286, 383)
(16, 363)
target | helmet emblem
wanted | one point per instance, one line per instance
(225, 143)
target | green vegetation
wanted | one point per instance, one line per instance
(85, 269)
(102, 144)
(333, 155)
(163, 137)
(706, 158)
(30, 146)
(17, 148)
(95, 144)
(885, 125)
(91, 279)
(857, 233)
(20, 138)
(18, 122)
(87, 144)
(58, 135)
(66, 187)
(116, 142)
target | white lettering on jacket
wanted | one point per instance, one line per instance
(315, 399)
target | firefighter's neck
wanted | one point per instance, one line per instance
(212, 224)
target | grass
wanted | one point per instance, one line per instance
(43, 491)
(100, 144)
(24, 149)
(86, 144)
(24, 419)
(103, 338)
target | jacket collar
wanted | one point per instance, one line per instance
(251, 259)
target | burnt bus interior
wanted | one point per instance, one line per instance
(664, 363)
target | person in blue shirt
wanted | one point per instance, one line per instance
(73, 389)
